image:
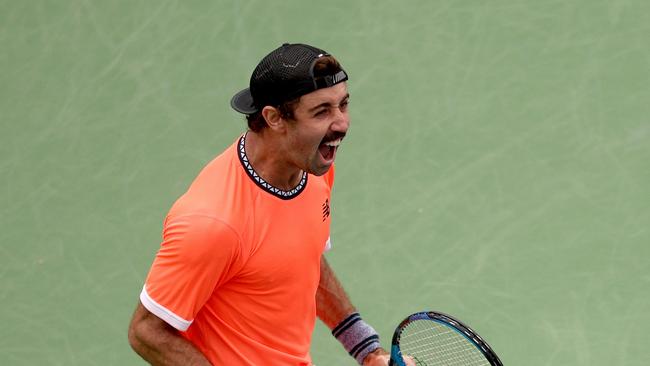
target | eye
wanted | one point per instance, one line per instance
(321, 112)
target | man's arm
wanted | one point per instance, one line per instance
(332, 303)
(159, 343)
(333, 306)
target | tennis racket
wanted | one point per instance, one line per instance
(430, 338)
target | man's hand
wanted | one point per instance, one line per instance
(380, 357)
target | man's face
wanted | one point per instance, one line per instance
(321, 122)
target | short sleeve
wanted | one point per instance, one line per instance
(329, 176)
(197, 255)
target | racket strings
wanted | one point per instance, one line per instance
(431, 343)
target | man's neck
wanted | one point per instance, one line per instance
(268, 158)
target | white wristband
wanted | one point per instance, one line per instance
(357, 337)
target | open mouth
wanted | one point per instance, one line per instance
(328, 149)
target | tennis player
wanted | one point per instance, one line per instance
(240, 276)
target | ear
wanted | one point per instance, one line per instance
(273, 118)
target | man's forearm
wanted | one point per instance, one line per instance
(160, 344)
(335, 309)
(332, 303)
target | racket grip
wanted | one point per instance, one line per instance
(395, 357)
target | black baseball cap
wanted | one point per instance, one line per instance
(283, 75)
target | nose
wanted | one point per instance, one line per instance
(341, 120)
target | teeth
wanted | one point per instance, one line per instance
(334, 143)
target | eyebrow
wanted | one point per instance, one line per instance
(327, 104)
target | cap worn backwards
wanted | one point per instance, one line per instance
(283, 75)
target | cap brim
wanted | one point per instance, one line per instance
(242, 102)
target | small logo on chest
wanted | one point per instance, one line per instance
(326, 209)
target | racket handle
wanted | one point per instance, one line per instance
(394, 355)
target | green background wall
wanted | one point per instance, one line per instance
(497, 167)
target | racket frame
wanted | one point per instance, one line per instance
(396, 357)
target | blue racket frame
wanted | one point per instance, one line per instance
(396, 358)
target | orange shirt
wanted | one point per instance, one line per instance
(239, 264)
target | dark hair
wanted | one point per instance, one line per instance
(324, 66)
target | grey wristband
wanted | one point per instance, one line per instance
(357, 337)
